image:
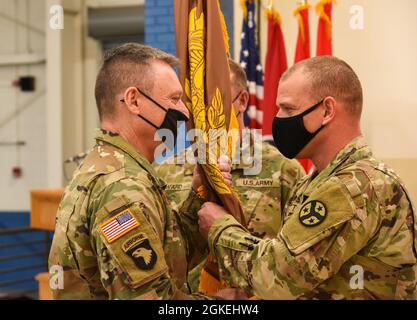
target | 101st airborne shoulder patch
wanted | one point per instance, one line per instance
(140, 250)
(118, 225)
(312, 213)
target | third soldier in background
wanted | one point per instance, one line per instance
(263, 196)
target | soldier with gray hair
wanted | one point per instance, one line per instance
(349, 229)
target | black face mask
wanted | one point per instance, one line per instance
(172, 117)
(290, 134)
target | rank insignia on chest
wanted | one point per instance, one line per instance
(118, 226)
(312, 213)
(140, 250)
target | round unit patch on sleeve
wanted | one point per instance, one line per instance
(312, 213)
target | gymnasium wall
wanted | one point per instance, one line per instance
(22, 114)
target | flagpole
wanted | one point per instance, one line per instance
(259, 23)
(268, 5)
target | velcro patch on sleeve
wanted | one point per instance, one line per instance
(326, 208)
(132, 242)
(312, 213)
(140, 250)
(118, 225)
(257, 183)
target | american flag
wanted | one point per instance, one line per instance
(249, 60)
(118, 225)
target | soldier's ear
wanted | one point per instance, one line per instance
(329, 104)
(132, 100)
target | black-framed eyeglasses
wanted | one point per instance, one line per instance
(237, 96)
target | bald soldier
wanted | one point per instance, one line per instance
(262, 196)
(116, 236)
(349, 230)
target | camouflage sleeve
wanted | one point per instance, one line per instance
(316, 239)
(197, 248)
(126, 232)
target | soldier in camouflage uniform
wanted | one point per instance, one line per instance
(349, 230)
(263, 195)
(116, 236)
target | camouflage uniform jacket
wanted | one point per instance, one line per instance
(116, 236)
(349, 232)
(263, 196)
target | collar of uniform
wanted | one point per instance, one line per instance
(181, 159)
(353, 151)
(120, 143)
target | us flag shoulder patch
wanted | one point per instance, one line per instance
(118, 225)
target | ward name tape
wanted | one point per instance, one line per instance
(118, 225)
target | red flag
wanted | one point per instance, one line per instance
(275, 65)
(302, 52)
(324, 30)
